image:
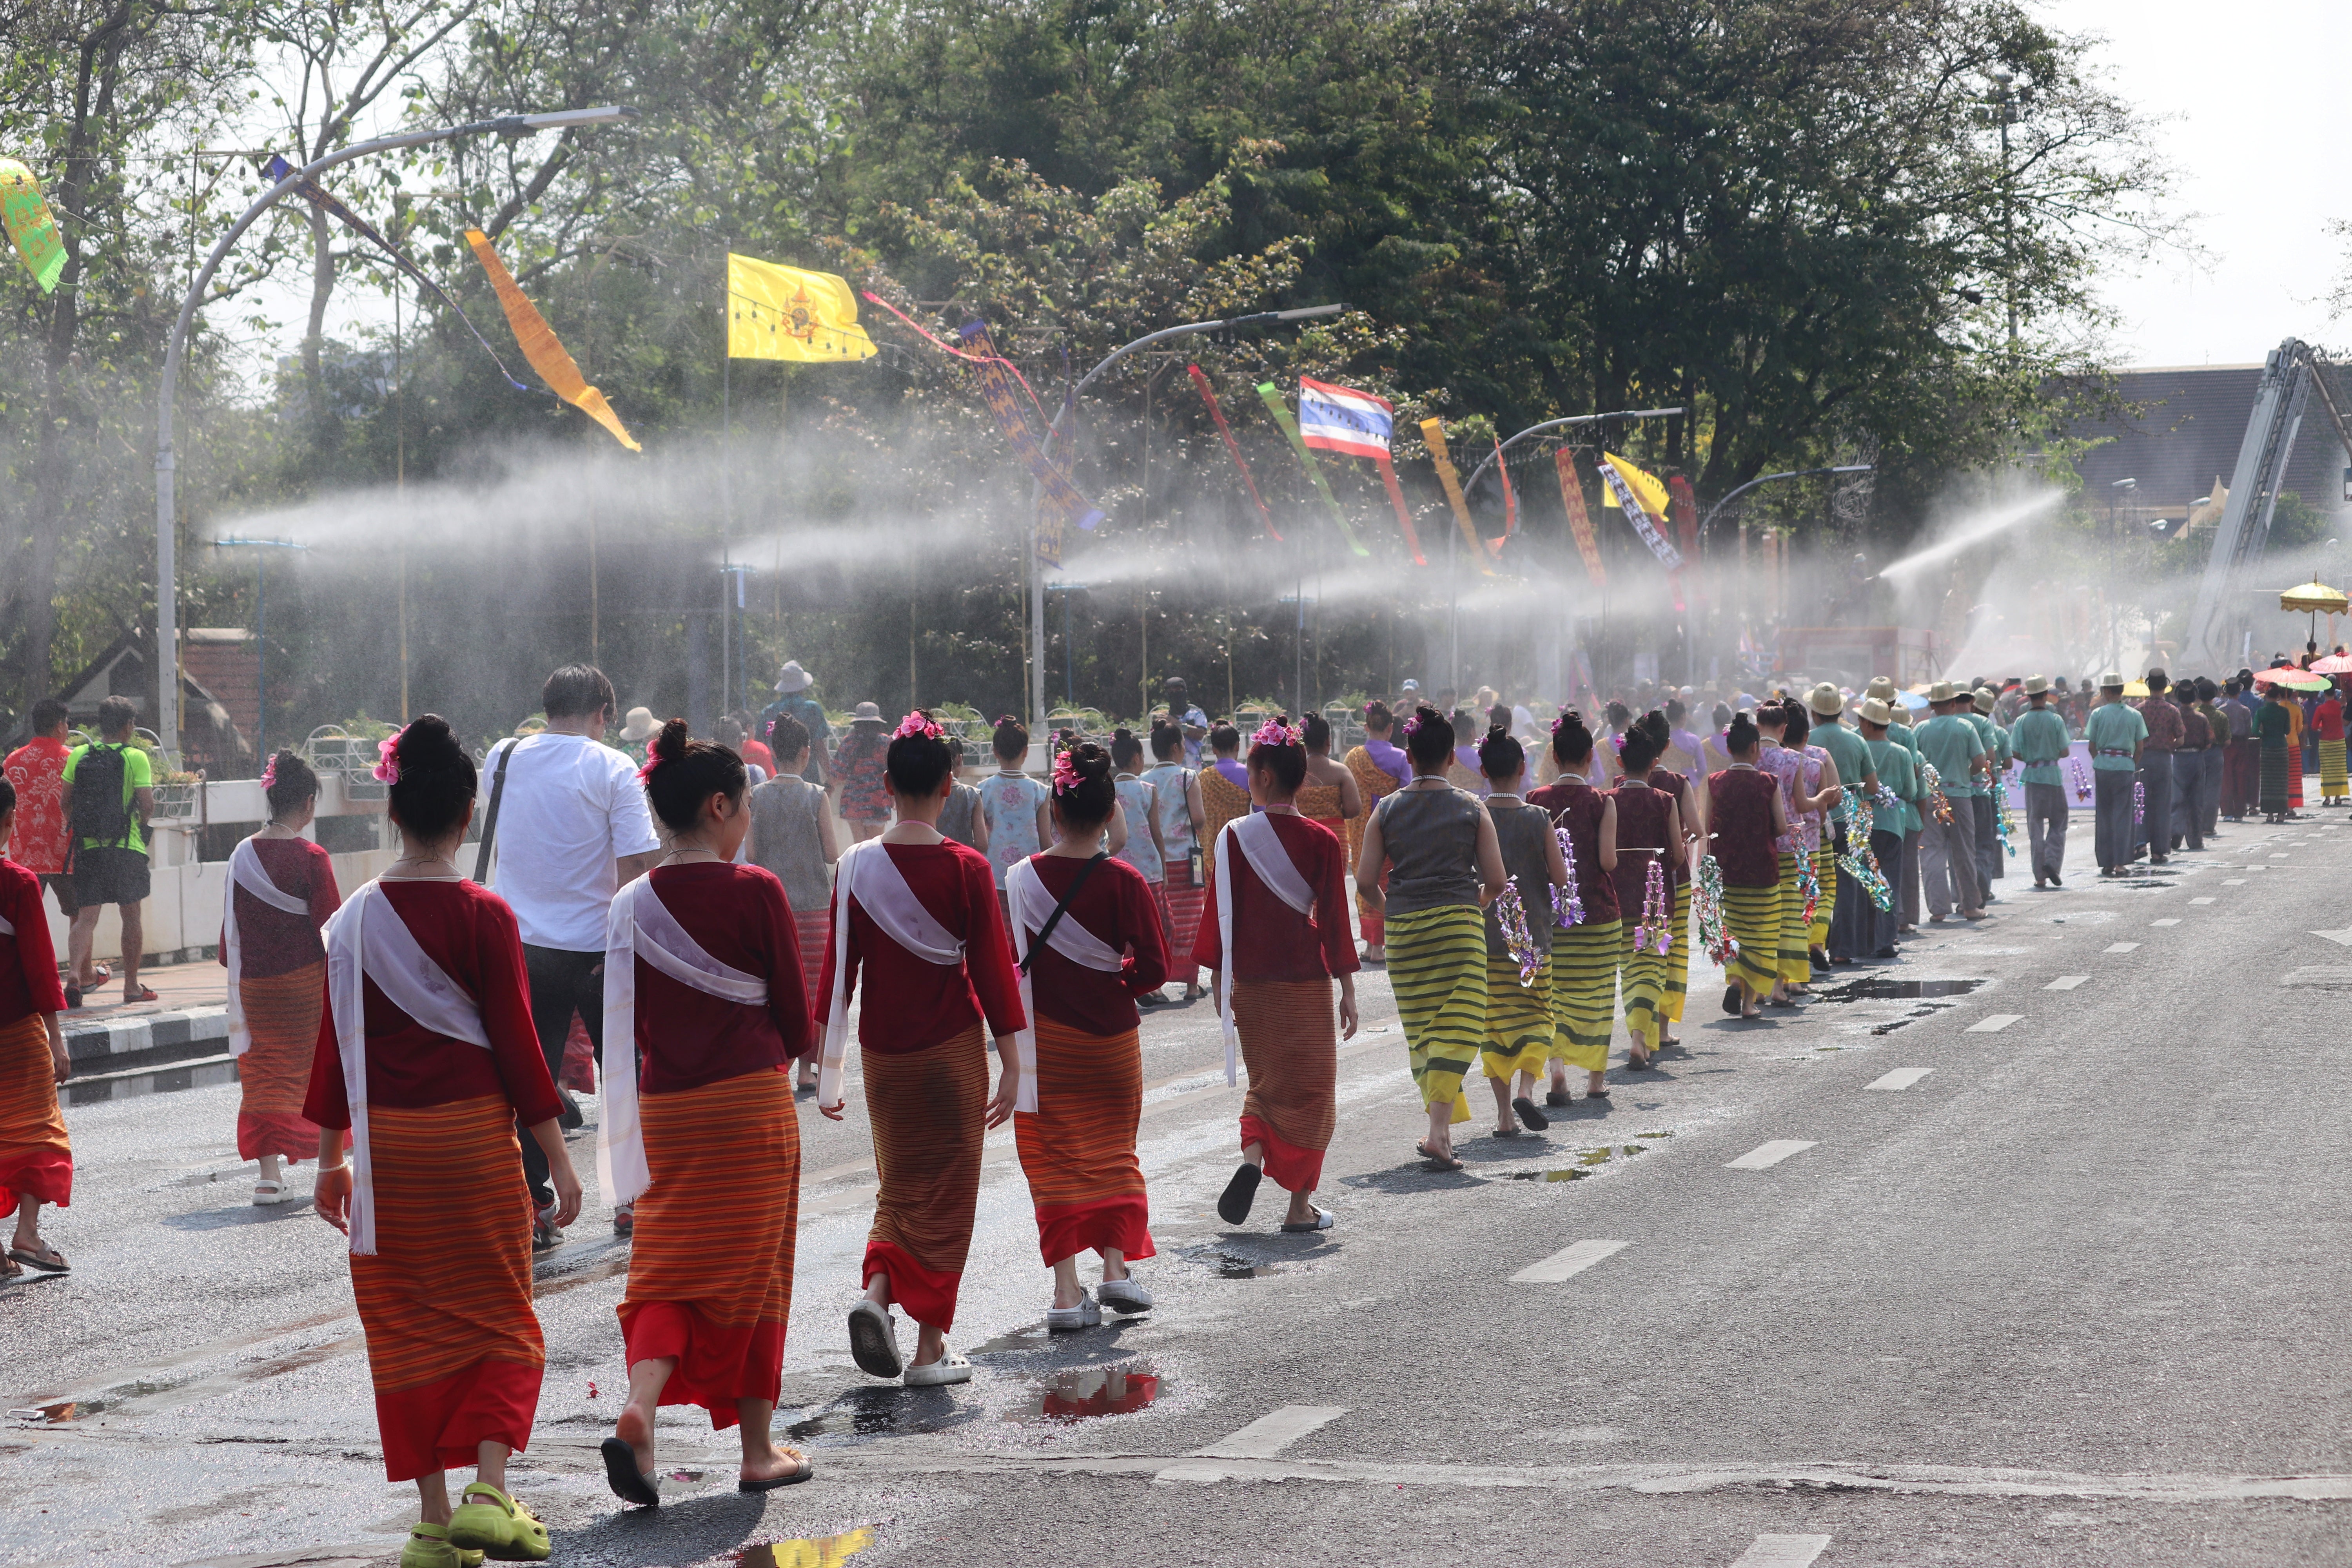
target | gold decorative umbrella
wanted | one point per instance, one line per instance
(2317, 598)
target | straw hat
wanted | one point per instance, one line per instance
(2035, 685)
(1882, 687)
(1826, 700)
(2111, 680)
(794, 679)
(1941, 691)
(865, 713)
(1984, 699)
(639, 724)
(1875, 710)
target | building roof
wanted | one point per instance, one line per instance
(2190, 423)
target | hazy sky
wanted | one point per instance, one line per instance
(2252, 91)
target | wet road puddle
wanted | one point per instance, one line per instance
(1586, 1162)
(1084, 1392)
(819, 1552)
(1234, 1266)
(160, 1080)
(1877, 988)
(51, 1415)
(878, 1412)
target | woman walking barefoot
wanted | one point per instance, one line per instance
(1086, 930)
(704, 1010)
(427, 1055)
(1519, 1007)
(1279, 938)
(36, 1160)
(1583, 954)
(1444, 866)
(1176, 792)
(281, 890)
(919, 915)
(1649, 839)
(1748, 819)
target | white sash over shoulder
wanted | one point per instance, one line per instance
(641, 926)
(6, 928)
(246, 870)
(1263, 847)
(867, 874)
(367, 938)
(1031, 907)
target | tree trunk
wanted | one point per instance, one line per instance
(322, 289)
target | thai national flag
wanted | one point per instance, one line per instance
(1338, 419)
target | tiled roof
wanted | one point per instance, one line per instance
(2190, 423)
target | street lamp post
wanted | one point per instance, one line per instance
(1036, 567)
(260, 637)
(167, 641)
(1069, 647)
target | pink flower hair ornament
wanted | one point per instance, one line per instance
(1412, 725)
(915, 724)
(1065, 773)
(645, 774)
(1275, 731)
(269, 774)
(387, 758)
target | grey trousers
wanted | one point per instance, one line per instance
(1948, 860)
(1888, 848)
(1850, 918)
(2112, 806)
(1987, 842)
(2209, 788)
(1909, 906)
(2188, 773)
(2045, 827)
(2155, 826)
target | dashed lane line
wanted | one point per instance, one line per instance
(2066, 983)
(1568, 1262)
(1782, 1552)
(1264, 1438)
(2174, 920)
(1769, 1154)
(2233, 882)
(1994, 1024)
(2203, 900)
(2122, 947)
(1901, 1078)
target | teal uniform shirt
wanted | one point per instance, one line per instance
(1996, 741)
(1950, 744)
(2040, 737)
(1898, 771)
(1847, 748)
(2114, 727)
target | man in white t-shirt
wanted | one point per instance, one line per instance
(571, 828)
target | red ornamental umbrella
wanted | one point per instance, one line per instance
(2293, 677)
(2334, 664)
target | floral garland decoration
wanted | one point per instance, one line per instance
(1065, 771)
(918, 725)
(1809, 882)
(1862, 865)
(387, 758)
(2082, 779)
(1511, 917)
(1721, 946)
(269, 774)
(2140, 803)
(1938, 806)
(1567, 904)
(1656, 929)
(2001, 813)
(1277, 731)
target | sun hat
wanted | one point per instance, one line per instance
(865, 713)
(1941, 691)
(1984, 699)
(2035, 685)
(639, 724)
(1826, 700)
(793, 678)
(1882, 687)
(2111, 680)
(1875, 710)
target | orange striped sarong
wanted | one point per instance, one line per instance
(927, 1108)
(710, 1265)
(35, 1157)
(814, 931)
(453, 1344)
(1290, 1043)
(281, 1014)
(1186, 902)
(1077, 1148)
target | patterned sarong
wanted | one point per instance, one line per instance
(814, 932)
(2295, 772)
(710, 1262)
(926, 1108)
(1642, 985)
(1678, 960)
(2332, 782)
(1186, 899)
(1584, 993)
(1795, 953)
(1753, 918)
(1077, 1148)
(281, 1014)
(453, 1344)
(1825, 873)
(2274, 777)
(1374, 783)
(1222, 801)
(34, 1156)
(1290, 1043)
(1437, 967)
(1519, 1018)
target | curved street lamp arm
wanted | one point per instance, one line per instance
(1479, 472)
(1708, 521)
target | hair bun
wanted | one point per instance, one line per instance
(428, 742)
(670, 745)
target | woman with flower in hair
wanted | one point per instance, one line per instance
(1279, 938)
(1444, 866)
(1380, 770)
(1649, 839)
(1329, 794)
(1086, 933)
(917, 916)
(1584, 941)
(705, 1008)
(281, 890)
(1519, 983)
(427, 1054)
(1747, 817)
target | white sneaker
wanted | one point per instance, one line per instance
(1125, 1295)
(874, 1340)
(1069, 1320)
(948, 1368)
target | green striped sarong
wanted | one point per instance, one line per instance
(1642, 984)
(1437, 967)
(1678, 960)
(1519, 1018)
(1751, 916)
(1795, 951)
(1584, 993)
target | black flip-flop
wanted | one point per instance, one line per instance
(1234, 1203)
(1596, 1094)
(620, 1473)
(1731, 1000)
(790, 1479)
(1430, 1161)
(1557, 1097)
(1535, 1121)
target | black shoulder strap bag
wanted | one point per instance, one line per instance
(1037, 942)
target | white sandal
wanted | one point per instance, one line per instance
(949, 1368)
(266, 1192)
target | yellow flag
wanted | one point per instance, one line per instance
(1645, 487)
(783, 313)
(541, 346)
(1432, 435)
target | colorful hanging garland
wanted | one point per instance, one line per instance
(1809, 884)
(1721, 946)
(2000, 814)
(2082, 779)
(2140, 803)
(1862, 865)
(1511, 915)
(1937, 806)
(1656, 927)
(1567, 904)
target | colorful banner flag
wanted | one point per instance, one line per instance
(1630, 502)
(1682, 507)
(25, 215)
(1209, 396)
(1058, 501)
(1403, 513)
(1341, 419)
(1510, 499)
(541, 346)
(1432, 432)
(1272, 395)
(1645, 487)
(781, 312)
(1580, 521)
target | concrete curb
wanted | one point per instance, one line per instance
(150, 1040)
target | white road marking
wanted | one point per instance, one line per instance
(1993, 1025)
(2233, 882)
(1782, 1552)
(1567, 1262)
(2174, 921)
(2257, 868)
(1901, 1078)
(2122, 947)
(2338, 936)
(1272, 1433)
(2203, 900)
(1770, 1153)
(2066, 983)
(2278, 857)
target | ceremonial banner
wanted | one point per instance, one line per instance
(1341, 419)
(1645, 487)
(781, 312)
(1209, 396)
(1681, 506)
(1630, 500)
(25, 215)
(1432, 431)
(1272, 396)
(541, 347)
(1580, 521)
(1058, 501)
(1510, 499)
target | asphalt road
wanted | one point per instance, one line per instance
(2048, 1269)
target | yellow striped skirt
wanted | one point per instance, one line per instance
(1584, 993)
(1519, 1018)
(1826, 872)
(1751, 917)
(2331, 784)
(1795, 951)
(1678, 960)
(1642, 984)
(1437, 967)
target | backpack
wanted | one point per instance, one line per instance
(99, 815)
